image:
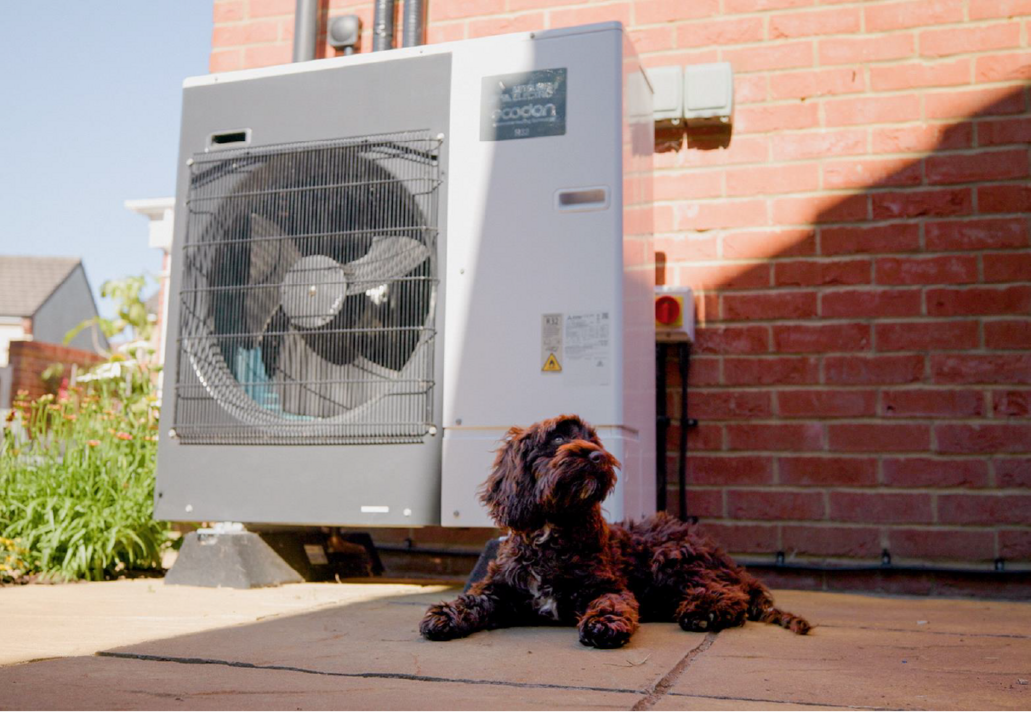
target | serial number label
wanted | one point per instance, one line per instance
(526, 105)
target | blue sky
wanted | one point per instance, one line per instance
(90, 118)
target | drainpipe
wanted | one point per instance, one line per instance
(414, 27)
(382, 26)
(306, 29)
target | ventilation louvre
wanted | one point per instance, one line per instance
(308, 292)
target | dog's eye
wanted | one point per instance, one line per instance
(558, 440)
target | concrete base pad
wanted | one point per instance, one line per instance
(235, 559)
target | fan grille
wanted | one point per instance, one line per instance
(308, 293)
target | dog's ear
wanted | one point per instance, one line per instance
(508, 491)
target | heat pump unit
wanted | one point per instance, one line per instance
(382, 262)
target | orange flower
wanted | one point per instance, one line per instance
(123, 436)
(92, 443)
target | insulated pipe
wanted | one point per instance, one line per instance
(306, 29)
(382, 26)
(414, 14)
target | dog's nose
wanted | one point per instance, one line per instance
(597, 456)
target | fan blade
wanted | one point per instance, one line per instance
(270, 259)
(388, 258)
(310, 386)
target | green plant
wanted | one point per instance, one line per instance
(131, 312)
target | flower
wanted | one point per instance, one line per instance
(93, 443)
(121, 435)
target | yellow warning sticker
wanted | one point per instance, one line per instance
(551, 364)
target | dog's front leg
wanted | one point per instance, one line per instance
(609, 620)
(486, 606)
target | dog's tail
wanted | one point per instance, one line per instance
(761, 608)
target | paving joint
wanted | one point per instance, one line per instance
(366, 675)
(821, 705)
(661, 688)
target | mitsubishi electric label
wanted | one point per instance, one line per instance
(523, 105)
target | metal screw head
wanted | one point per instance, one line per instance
(189, 508)
(432, 430)
(458, 421)
(172, 434)
(407, 512)
(456, 514)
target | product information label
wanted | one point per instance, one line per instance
(551, 343)
(527, 105)
(588, 348)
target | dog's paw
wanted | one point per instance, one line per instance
(704, 621)
(606, 631)
(441, 623)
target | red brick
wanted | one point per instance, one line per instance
(720, 32)
(938, 335)
(827, 208)
(888, 508)
(870, 303)
(811, 273)
(268, 8)
(819, 22)
(863, 50)
(984, 509)
(979, 300)
(758, 180)
(720, 214)
(729, 405)
(822, 144)
(947, 269)
(1007, 335)
(526, 22)
(994, 165)
(917, 75)
(1011, 404)
(1012, 472)
(762, 5)
(1003, 67)
(970, 103)
(933, 403)
(921, 138)
(775, 505)
(765, 58)
(702, 503)
(438, 32)
(871, 370)
(871, 110)
(245, 33)
(687, 248)
(456, 9)
(647, 12)
(707, 437)
(871, 173)
(591, 14)
(724, 275)
(912, 472)
(983, 234)
(743, 538)
(790, 370)
(769, 305)
(827, 404)
(810, 84)
(893, 237)
(990, 369)
(942, 42)
(827, 471)
(225, 61)
(1002, 132)
(831, 541)
(729, 470)
(942, 544)
(921, 203)
(267, 55)
(704, 372)
(987, 438)
(697, 184)
(904, 15)
(820, 338)
(732, 340)
(766, 244)
(763, 118)
(744, 149)
(878, 437)
(984, 9)
(749, 89)
(653, 39)
(228, 12)
(1015, 544)
(774, 436)
(1008, 267)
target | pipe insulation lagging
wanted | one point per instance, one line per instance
(306, 29)
(383, 25)
(415, 22)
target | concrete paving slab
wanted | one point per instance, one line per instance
(864, 668)
(110, 683)
(381, 636)
(80, 619)
(698, 702)
(917, 614)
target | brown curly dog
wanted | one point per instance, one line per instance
(563, 563)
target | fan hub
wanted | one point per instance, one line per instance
(313, 291)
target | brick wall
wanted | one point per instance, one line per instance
(29, 359)
(861, 246)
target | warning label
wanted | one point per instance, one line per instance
(551, 343)
(588, 348)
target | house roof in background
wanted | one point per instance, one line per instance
(26, 282)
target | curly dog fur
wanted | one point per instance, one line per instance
(562, 563)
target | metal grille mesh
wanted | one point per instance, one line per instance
(308, 292)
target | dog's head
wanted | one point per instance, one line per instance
(553, 470)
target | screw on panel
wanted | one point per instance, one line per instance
(885, 558)
(780, 558)
(172, 434)
(432, 430)
(189, 508)
(456, 514)
(458, 421)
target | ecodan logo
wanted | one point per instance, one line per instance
(522, 113)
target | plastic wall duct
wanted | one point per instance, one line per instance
(306, 28)
(383, 26)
